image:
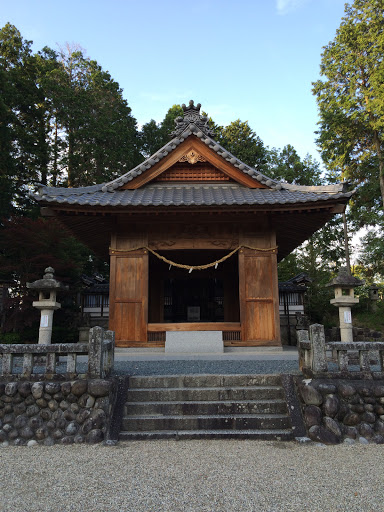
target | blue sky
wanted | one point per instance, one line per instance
(251, 59)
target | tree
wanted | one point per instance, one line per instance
(63, 119)
(351, 95)
(100, 140)
(287, 165)
(239, 138)
(28, 247)
(19, 100)
(154, 136)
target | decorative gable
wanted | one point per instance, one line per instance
(192, 143)
(200, 172)
(193, 160)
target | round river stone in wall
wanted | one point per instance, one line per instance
(331, 406)
(346, 390)
(323, 435)
(366, 430)
(378, 391)
(312, 415)
(95, 436)
(79, 387)
(66, 388)
(332, 425)
(327, 389)
(52, 388)
(24, 389)
(369, 417)
(351, 419)
(11, 388)
(99, 387)
(21, 421)
(351, 432)
(310, 395)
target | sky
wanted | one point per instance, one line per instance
(253, 60)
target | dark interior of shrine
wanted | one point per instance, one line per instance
(179, 295)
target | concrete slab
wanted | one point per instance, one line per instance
(192, 342)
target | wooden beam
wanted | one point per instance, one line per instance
(195, 326)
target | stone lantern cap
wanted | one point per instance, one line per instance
(345, 280)
(47, 283)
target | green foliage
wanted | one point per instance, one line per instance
(239, 138)
(154, 136)
(371, 259)
(285, 164)
(101, 140)
(351, 95)
(27, 247)
(10, 337)
(63, 120)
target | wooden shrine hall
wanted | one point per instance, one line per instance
(194, 236)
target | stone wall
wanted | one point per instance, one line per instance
(53, 412)
(359, 334)
(346, 411)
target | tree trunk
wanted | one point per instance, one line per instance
(347, 258)
(55, 152)
(70, 158)
(381, 164)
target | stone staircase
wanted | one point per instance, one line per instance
(206, 406)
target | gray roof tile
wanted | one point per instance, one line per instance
(183, 195)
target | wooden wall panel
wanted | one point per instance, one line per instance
(260, 321)
(129, 297)
(258, 294)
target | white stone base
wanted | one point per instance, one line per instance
(194, 342)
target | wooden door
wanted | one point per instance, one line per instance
(257, 298)
(129, 297)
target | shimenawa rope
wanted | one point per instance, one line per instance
(195, 267)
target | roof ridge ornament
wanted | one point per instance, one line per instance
(192, 116)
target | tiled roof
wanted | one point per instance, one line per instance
(168, 148)
(199, 194)
(182, 195)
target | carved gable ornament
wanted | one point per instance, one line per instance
(192, 157)
(192, 115)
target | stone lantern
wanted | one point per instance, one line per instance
(47, 288)
(343, 285)
(374, 296)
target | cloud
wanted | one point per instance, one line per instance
(285, 6)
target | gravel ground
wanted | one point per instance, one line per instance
(185, 367)
(203, 476)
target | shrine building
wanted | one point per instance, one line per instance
(194, 236)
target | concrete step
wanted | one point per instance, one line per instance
(205, 407)
(270, 434)
(205, 394)
(212, 422)
(208, 381)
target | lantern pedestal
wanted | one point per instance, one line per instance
(47, 288)
(344, 299)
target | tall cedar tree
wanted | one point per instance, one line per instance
(19, 121)
(351, 96)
